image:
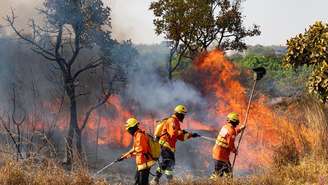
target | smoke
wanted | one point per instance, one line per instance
(131, 19)
(24, 10)
(136, 25)
(149, 88)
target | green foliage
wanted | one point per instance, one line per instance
(278, 81)
(192, 26)
(261, 50)
(195, 24)
(87, 17)
(310, 48)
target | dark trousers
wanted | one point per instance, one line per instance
(222, 168)
(142, 177)
(166, 165)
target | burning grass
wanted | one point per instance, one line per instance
(301, 158)
(292, 164)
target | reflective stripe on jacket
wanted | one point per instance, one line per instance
(172, 132)
(225, 143)
(141, 150)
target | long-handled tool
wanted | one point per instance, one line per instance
(258, 75)
(104, 168)
(208, 138)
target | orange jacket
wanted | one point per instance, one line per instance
(172, 132)
(225, 143)
(141, 150)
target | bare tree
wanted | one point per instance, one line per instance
(71, 26)
(16, 137)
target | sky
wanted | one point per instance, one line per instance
(279, 20)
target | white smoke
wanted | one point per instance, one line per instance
(149, 87)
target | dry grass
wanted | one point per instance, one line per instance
(301, 159)
(310, 170)
(47, 173)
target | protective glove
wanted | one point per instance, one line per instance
(156, 138)
(195, 135)
(243, 127)
(120, 159)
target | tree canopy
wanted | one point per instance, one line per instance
(192, 26)
(196, 24)
(310, 48)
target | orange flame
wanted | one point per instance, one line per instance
(219, 81)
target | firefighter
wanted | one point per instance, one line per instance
(140, 150)
(170, 133)
(225, 145)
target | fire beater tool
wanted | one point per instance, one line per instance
(258, 75)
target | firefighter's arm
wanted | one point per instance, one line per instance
(241, 128)
(184, 135)
(231, 142)
(127, 155)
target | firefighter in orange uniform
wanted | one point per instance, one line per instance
(225, 144)
(171, 133)
(140, 150)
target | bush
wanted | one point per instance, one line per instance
(278, 81)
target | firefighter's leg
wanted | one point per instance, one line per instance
(161, 167)
(160, 170)
(170, 163)
(227, 170)
(217, 170)
(221, 168)
(144, 177)
(137, 177)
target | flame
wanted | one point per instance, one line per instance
(219, 81)
(221, 78)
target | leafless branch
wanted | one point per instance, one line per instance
(89, 66)
(77, 47)
(11, 21)
(11, 135)
(42, 54)
(101, 101)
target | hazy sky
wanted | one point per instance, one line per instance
(279, 19)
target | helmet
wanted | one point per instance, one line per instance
(181, 109)
(232, 117)
(131, 122)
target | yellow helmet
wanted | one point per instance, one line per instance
(131, 122)
(181, 109)
(233, 117)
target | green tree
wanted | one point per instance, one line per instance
(310, 48)
(278, 81)
(192, 26)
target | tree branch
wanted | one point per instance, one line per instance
(100, 103)
(179, 59)
(42, 54)
(11, 21)
(89, 66)
(11, 135)
(76, 45)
